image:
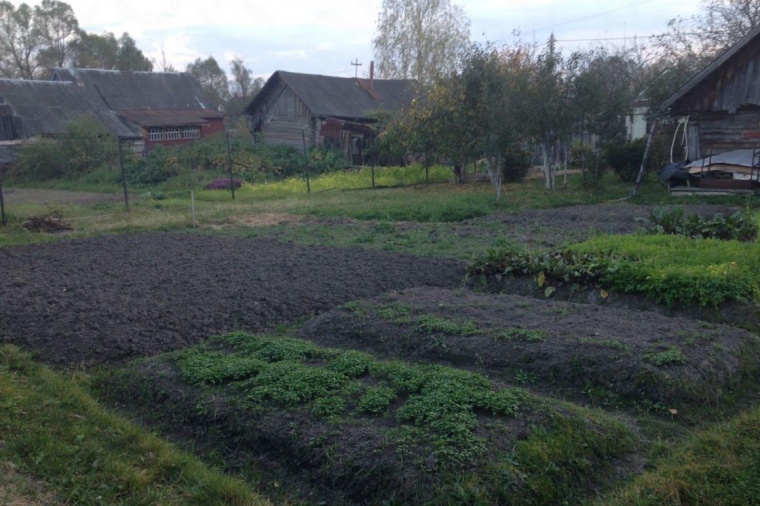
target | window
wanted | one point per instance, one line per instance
(192, 132)
(173, 133)
(155, 134)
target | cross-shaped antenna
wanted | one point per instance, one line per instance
(356, 65)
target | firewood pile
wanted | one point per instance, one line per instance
(49, 223)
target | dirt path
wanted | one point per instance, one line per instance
(19, 196)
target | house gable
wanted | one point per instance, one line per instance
(321, 109)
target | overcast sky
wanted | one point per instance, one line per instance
(324, 37)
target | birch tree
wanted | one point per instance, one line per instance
(419, 39)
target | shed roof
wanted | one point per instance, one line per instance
(144, 91)
(710, 69)
(341, 97)
(47, 108)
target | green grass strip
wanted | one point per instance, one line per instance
(52, 431)
(719, 466)
(676, 269)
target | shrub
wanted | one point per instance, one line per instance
(625, 158)
(83, 148)
(592, 168)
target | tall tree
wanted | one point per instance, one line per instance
(212, 78)
(243, 86)
(548, 115)
(130, 57)
(57, 31)
(420, 39)
(97, 51)
(723, 22)
(19, 41)
(604, 91)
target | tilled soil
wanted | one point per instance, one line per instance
(629, 354)
(113, 298)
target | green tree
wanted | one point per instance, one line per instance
(97, 51)
(243, 86)
(212, 78)
(19, 42)
(420, 39)
(547, 109)
(57, 33)
(129, 57)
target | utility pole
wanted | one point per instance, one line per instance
(356, 65)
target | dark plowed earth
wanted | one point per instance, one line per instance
(113, 298)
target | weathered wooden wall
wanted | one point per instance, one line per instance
(721, 132)
(732, 86)
(284, 119)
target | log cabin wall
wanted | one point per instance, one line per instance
(284, 119)
(721, 132)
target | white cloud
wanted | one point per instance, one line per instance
(324, 37)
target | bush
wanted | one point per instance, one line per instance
(625, 158)
(592, 168)
(515, 165)
(84, 148)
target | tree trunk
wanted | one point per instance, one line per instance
(548, 177)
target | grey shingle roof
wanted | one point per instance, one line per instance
(47, 108)
(341, 97)
(133, 91)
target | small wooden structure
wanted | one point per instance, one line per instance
(719, 109)
(325, 110)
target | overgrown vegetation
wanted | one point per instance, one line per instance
(85, 147)
(675, 270)
(740, 226)
(714, 466)
(52, 430)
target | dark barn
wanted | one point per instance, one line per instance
(324, 110)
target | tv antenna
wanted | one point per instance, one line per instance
(356, 65)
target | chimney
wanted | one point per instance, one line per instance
(371, 75)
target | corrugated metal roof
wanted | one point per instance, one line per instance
(139, 91)
(47, 108)
(341, 97)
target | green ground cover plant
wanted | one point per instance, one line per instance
(449, 430)
(675, 270)
(52, 430)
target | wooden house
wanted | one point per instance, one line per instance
(169, 108)
(296, 109)
(720, 107)
(717, 117)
